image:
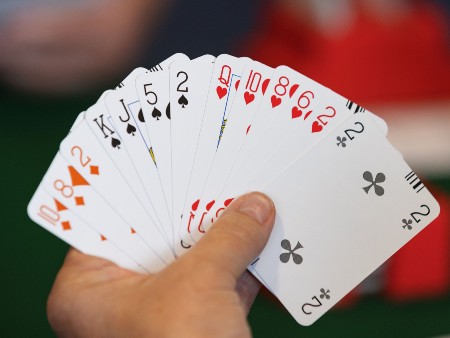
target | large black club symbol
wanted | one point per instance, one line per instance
(379, 178)
(284, 257)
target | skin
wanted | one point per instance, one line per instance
(62, 49)
(205, 293)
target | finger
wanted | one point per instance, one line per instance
(237, 237)
(247, 288)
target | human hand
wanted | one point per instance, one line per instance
(205, 293)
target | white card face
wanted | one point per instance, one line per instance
(280, 90)
(253, 84)
(227, 71)
(287, 154)
(189, 86)
(131, 105)
(65, 183)
(123, 105)
(341, 212)
(311, 106)
(153, 94)
(85, 154)
(274, 152)
(100, 122)
(286, 85)
(167, 62)
(56, 218)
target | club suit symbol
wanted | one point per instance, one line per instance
(341, 141)
(324, 294)
(407, 224)
(284, 257)
(379, 178)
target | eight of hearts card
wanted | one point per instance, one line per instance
(145, 172)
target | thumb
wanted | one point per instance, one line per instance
(237, 237)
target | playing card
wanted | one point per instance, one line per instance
(285, 156)
(286, 141)
(153, 94)
(255, 80)
(313, 110)
(167, 62)
(224, 82)
(66, 184)
(100, 122)
(125, 109)
(147, 169)
(123, 106)
(55, 217)
(341, 212)
(82, 151)
(189, 86)
(280, 90)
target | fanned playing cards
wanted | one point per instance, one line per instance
(147, 170)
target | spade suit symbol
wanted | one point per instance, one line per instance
(131, 129)
(168, 111)
(156, 113)
(115, 143)
(182, 101)
(141, 116)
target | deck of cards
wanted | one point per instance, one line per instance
(147, 170)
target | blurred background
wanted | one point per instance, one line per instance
(390, 56)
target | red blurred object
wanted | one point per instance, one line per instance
(349, 300)
(422, 267)
(402, 60)
(375, 61)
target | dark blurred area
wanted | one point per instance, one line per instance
(390, 56)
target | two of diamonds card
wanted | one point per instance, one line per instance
(146, 171)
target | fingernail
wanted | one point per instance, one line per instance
(257, 206)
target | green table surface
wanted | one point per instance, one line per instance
(31, 130)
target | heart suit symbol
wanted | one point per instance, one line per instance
(221, 92)
(316, 127)
(248, 97)
(275, 101)
(296, 112)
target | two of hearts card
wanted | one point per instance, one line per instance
(146, 171)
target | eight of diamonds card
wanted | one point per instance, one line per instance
(148, 169)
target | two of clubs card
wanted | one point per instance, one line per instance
(148, 168)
